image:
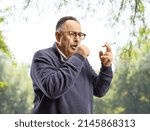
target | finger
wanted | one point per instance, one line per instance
(105, 61)
(105, 57)
(100, 53)
(108, 48)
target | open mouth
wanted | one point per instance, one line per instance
(74, 47)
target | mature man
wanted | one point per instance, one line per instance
(63, 80)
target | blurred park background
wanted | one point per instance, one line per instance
(129, 24)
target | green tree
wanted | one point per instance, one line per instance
(17, 96)
(132, 13)
(3, 50)
(132, 74)
(3, 46)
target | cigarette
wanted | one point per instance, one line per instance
(110, 44)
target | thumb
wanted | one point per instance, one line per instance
(100, 53)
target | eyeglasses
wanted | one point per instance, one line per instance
(74, 34)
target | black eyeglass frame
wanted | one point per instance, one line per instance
(74, 34)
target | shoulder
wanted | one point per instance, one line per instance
(44, 51)
(46, 55)
(47, 52)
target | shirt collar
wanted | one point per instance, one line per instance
(62, 54)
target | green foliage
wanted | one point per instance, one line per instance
(15, 84)
(3, 46)
(132, 77)
(1, 19)
(4, 50)
(16, 96)
(135, 8)
(3, 84)
(104, 105)
(4, 13)
(132, 87)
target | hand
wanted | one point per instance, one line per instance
(83, 50)
(106, 57)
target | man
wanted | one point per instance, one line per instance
(63, 80)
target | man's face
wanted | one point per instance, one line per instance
(68, 42)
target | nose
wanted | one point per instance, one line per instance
(76, 38)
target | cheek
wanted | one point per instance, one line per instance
(65, 46)
(67, 42)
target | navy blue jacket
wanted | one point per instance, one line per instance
(66, 87)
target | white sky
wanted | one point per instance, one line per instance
(25, 38)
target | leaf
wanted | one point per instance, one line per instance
(3, 84)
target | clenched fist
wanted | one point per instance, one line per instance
(82, 50)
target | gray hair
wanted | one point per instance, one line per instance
(63, 20)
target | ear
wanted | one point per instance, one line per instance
(57, 35)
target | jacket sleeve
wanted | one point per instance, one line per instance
(101, 81)
(52, 80)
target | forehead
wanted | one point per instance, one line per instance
(71, 25)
